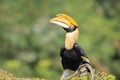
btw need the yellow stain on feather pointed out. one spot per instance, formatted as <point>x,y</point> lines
<point>85,59</point>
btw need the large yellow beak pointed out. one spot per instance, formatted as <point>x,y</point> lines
<point>64,20</point>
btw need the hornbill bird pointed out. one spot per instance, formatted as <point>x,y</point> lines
<point>74,58</point>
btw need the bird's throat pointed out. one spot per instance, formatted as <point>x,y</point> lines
<point>71,39</point>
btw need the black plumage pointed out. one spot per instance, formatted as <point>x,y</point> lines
<point>71,59</point>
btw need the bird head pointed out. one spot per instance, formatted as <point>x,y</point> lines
<point>65,21</point>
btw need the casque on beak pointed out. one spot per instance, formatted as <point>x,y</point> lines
<point>64,21</point>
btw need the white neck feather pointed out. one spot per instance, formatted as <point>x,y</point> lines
<point>70,39</point>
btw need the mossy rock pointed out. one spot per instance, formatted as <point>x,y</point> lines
<point>4,75</point>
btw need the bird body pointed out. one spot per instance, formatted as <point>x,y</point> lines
<point>71,59</point>
<point>71,53</point>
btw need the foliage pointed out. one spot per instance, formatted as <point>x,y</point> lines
<point>29,44</point>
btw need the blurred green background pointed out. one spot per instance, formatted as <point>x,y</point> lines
<point>30,45</point>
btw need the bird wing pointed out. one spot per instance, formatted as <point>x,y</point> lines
<point>80,52</point>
